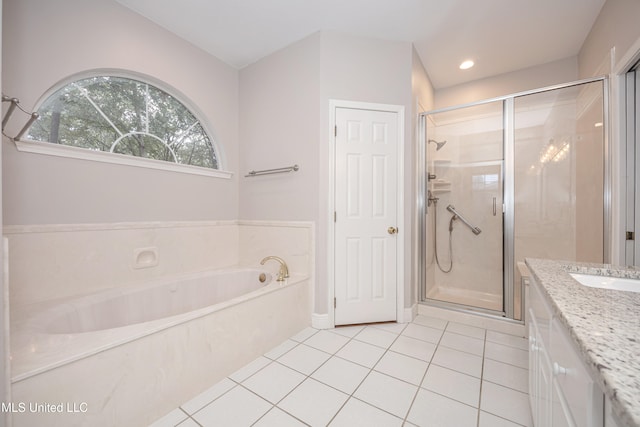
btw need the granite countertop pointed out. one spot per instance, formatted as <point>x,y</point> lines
<point>604,324</point>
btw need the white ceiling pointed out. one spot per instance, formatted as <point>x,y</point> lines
<point>499,35</point>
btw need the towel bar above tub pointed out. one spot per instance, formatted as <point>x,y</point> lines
<point>287,169</point>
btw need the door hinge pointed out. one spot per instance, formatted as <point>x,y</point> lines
<point>335,304</point>
<point>630,235</point>
<point>335,130</point>
<point>335,216</point>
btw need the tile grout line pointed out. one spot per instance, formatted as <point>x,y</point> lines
<point>484,350</point>
<point>413,401</point>
<point>371,369</point>
<point>482,380</point>
<point>506,386</point>
<point>309,376</point>
<point>275,405</point>
<point>189,417</point>
<point>363,379</point>
<point>239,383</point>
<point>386,349</point>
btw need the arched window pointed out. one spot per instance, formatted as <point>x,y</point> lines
<point>124,116</point>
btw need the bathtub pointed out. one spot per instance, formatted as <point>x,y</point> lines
<point>182,297</point>
<point>129,356</point>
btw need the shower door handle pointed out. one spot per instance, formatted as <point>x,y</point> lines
<point>495,203</point>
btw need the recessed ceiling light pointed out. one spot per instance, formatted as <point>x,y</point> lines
<point>466,64</point>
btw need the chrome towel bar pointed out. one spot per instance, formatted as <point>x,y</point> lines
<point>15,102</point>
<point>287,169</point>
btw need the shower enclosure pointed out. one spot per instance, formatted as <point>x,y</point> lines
<point>508,178</point>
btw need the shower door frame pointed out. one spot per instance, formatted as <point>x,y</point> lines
<point>508,116</point>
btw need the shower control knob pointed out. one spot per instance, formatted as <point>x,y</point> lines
<point>392,230</point>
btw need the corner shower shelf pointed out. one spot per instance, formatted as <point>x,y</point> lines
<point>440,186</point>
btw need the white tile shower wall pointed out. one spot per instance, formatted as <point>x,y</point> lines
<point>472,155</point>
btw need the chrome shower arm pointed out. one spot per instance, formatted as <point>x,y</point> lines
<point>457,215</point>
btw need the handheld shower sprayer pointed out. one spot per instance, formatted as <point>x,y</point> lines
<point>439,145</point>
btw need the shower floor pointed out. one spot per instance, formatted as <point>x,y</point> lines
<point>466,297</point>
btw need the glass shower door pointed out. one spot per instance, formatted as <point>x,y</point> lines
<point>464,218</point>
<point>506,179</point>
<point>559,174</point>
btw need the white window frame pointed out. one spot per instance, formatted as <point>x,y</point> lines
<point>58,150</point>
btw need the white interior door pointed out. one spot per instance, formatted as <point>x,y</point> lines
<point>366,178</point>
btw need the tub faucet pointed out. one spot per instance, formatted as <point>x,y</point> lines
<point>284,270</point>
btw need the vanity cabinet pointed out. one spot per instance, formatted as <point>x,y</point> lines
<point>539,321</point>
<point>561,390</point>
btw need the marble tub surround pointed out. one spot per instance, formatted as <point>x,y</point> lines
<point>40,343</point>
<point>604,325</point>
<point>63,260</point>
<point>292,240</point>
<point>135,382</point>
<point>52,265</point>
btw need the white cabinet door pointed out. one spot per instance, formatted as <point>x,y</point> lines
<point>533,368</point>
<point>609,418</point>
<point>582,398</point>
<point>561,391</point>
<point>540,375</point>
<point>545,376</point>
<point>560,410</point>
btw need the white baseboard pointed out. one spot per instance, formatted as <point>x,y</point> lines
<point>320,321</point>
<point>410,313</point>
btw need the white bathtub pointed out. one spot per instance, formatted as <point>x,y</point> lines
<point>159,300</point>
<point>128,356</point>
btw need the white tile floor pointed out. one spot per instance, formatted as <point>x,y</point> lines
<point>426,373</point>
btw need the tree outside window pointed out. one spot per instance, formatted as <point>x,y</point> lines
<point>124,116</point>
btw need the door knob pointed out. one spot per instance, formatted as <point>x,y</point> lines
<point>392,230</point>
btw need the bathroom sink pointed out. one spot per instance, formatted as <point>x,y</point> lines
<point>604,282</point>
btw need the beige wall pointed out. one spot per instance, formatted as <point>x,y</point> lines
<point>616,27</point>
<point>363,70</point>
<point>101,34</point>
<point>270,114</point>
<point>610,48</point>
<point>284,102</point>
<point>563,71</point>
<point>280,110</point>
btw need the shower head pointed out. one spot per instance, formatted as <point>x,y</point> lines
<point>439,145</point>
